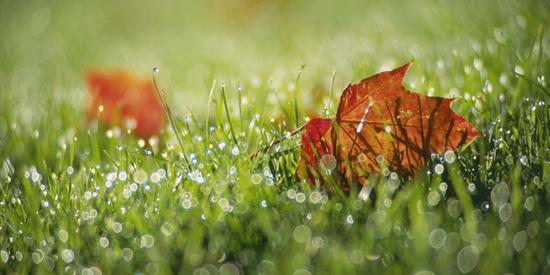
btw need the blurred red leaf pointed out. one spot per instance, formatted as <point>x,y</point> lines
<point>121,99</point>
<point>380,124</point>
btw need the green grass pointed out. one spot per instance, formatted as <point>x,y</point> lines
<point>69,201</point>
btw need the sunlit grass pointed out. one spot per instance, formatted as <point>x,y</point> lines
<point>76,197</point>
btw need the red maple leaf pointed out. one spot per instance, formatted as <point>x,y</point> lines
<point>121,99</point>
<point>380,124</point>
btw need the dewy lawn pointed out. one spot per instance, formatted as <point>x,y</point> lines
<point>77,196</point>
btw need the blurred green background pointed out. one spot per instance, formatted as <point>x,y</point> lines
<point>46,46</point>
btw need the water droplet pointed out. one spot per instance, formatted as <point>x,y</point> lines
<point>140,176</point>
<point>256,179</point>
<point>63,235</point>
<point>4,256</point>
<point>167,228</point>
<point>467,259</point>
<point>452,242</point>
<point>485,206</point>
<point>449,156</point>
<point>156,69</point>
<point>117,227</point>
<point>328,162</point>
<point>315,197</point>
<point>520,240</point>
<point>505,212</point>
<point>229,269</point>
<point>103,242</point>
<point>533,229</point>
<point>439,168</point>
<point>301,233</point>
<point>524,160</point>
<point>433,198</point>
<point>529,203</point>
<point>37,256</point>
<point>349,219</point>
<point>300,197</point>
<point>454,208</point>
<point>196,176</point>
<point>235,151</point>
<point>437,238</point>
<point>500,194</point>
<point>518,70</point>
<point>67,255</point>
<point>127,254</point>
<point>147,241</point>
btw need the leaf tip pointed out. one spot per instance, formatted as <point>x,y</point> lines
<point>401,71</point>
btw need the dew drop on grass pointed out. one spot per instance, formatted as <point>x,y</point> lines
<point>529,203</point>
<point>452,242</point>
<point>500,194</point>
<point>454,208</point>
<point>437,238</point>
<point>127,254</point>
<point>439,168</point>
<point>291,193</point>
<point>37,256</point>
<point>67,255</point>
<point>533,229</point>
<point>133,187</point>
<point>524,160</point>
<point>156,69</point>
<point>122,176</point>
<point>301,233</point>
<point>235,151</point>
<point>433,198</point>
<point>467,259</point>
<point>18,256</point>
<point>167,229</point>
<point>155,177</point>
<point>103,242</point>
<point>140,176</point>
<point>328,162</point>
<point>4,256</point>
<point>229,269</point>
<point>196,176</point>
<point>266,267</point>
<point>443,187</point>
<point>256,178</point>
<point>485,206</point>
<point>63,235</point>
<point>518,70</point>
<point>520,240</point>
<point>186,204</point>
<point>147,241</point>
<point>505,212</point>
<point>300,197</point>
<point>117,227</point>
<point>315,197</point>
